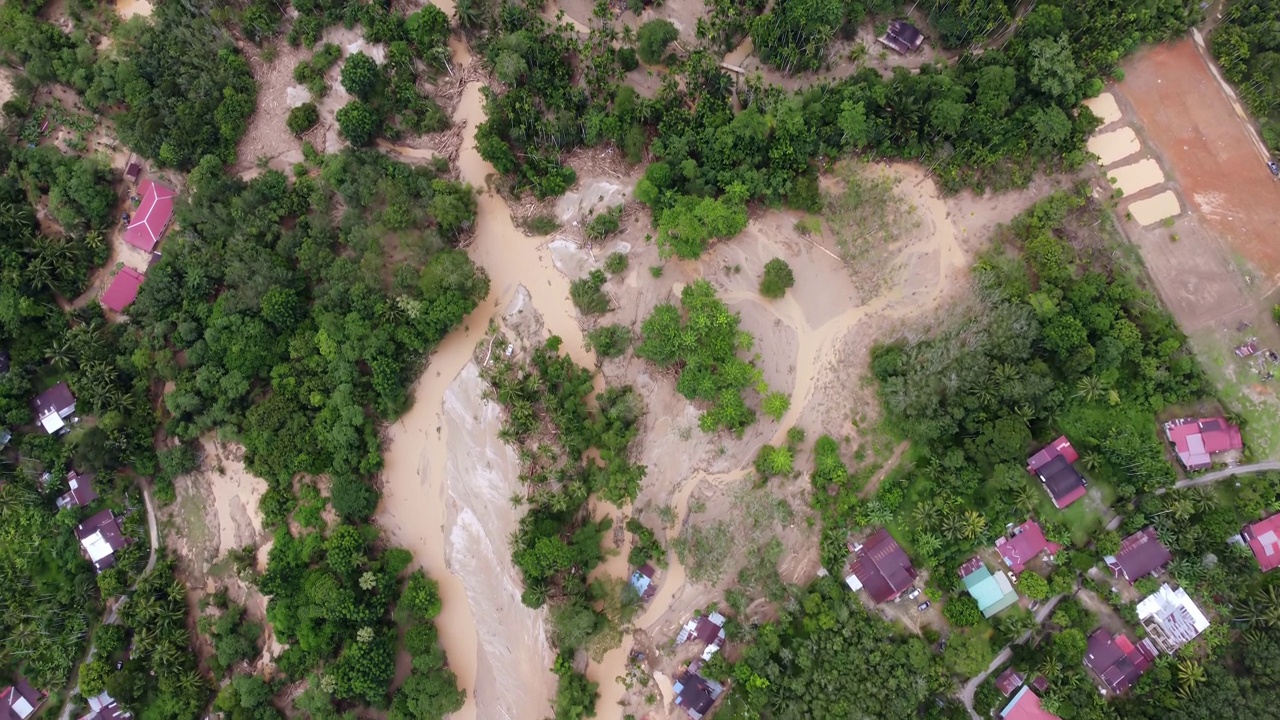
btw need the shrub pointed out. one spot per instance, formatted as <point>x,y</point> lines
<point>361,75</point>
<point>541,225</point>
<point>653,38</point>
<point>627,59</point>
<point>605,224</point>
<point>777,278</point>
<point>774,461</point>
<point>609,341</point>
<point>615,263</point>
<point>776,404</point>
<point>963,611</point>
<point>587,296</point>
<point>1033,586</point>
<point>358,123</point>
<point>303,118</point>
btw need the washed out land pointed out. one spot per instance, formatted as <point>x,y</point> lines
<point>429,361</point>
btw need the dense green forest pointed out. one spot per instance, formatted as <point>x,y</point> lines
<point>1247,46</point>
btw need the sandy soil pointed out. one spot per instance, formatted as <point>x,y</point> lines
<point>1155,208</point>
<point>1115,145</point>
<point>216,508</point>
<point>1212,152</point>
<point>131,8</point>
<point>1136,177</point>
<point>1104,106</point>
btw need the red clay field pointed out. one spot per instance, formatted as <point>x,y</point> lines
<point>1209,148</point>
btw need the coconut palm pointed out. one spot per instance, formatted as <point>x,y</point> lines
<point>1090,388</point>
<point>1191,675</point>
<point>1025,497</point>
<point>973,525</point>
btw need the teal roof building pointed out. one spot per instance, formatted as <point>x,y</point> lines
<point>992,592</point>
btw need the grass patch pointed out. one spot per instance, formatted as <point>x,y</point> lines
<point>1234,381</point>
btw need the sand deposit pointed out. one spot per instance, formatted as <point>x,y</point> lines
<point>1136,177</point>
<point>1105,107</point>
<point>130,8</point>
<point>216,506</point>
<point>417,478</point>
<point>1111,147</point>
<point>1154,209</point>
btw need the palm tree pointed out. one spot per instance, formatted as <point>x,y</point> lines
<point>1025,414</point>
<point>973,525</point>
<point>61,353</point>
<point>927,544</point>
<point>1090,460</point>
<point>1025,497</point>
<point>925,514</point>
<point>1203,498</point>
<point>952,526</point>
<point>1181,508</point>
<point>1089,387</point>
<point>1006,374</point>
<point>1050,667</point>
<point>1191,675</point>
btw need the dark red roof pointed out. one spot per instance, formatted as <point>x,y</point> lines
<point>970,567</point>
<point>123,289</point>
<point>81,491</point>
<point>1027,542</point>
<point>12,699</point>
<point>1140,554</point>
<point>56,399</point>
<point>1117,660</point>
<point>883,568</point>
<point>1053,465</point>
<point>1264,539</point>
<point>1008,681</point>
<point>152,217</point>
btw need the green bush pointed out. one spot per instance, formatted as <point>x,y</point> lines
<point>1033,586</point>
<point>653,38</point>
<point>358,123</point>
<point>962,611</point>
<point>361,75</point>
<point>587,295</point>
<point>774,461</point>
<point>303,118</point>
<point>616,263</point>
<point>777,278</point>
<point>609,341</point>
<point>603,225</point>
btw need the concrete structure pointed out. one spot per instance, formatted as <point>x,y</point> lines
<point>1116,660</point>
<point>80,491</point>
<point>100,536</point>
<point>1171,618</point>
<point>19,701</point>
<point>992,592</point>
<point>123,290</point>
<point>1141,554</point>
<point>1026,706</point>
<point>696,694</point>
<point>1263,538</point>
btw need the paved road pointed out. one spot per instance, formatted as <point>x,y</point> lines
<point>966,693</point>
<point>1223,474</point>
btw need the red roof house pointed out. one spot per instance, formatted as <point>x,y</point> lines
<point>123,290</point>
<point>1008,681</point>
<point>882,568</point>
<point>1053,465</point>
<point>1197,441</point>
<point>1141,554</point>
<point>1026,706</point>
<point>1027,542</point>
<point>1264,539</point>
<point>152,218</point>
<point>1116,660</point>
